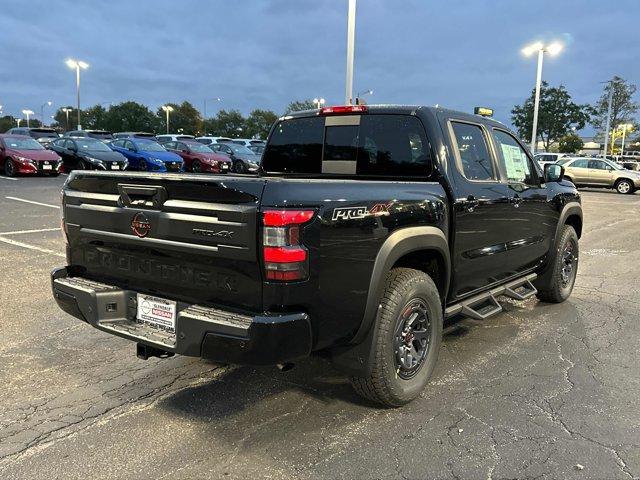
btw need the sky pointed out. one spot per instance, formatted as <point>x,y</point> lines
<point>266,53</point>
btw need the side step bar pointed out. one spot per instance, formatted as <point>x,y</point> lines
<point>485,304</point>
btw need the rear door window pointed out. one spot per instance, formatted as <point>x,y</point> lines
<point>580,164</point>
<point>388,145</point>
<point>474,158</point>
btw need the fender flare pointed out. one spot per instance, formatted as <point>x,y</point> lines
<point>398,244</point>
<point>571,208</point>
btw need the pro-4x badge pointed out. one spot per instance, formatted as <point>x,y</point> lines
<point>353,213</point>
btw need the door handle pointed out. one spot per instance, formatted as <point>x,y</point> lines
<point>471,203</point>
<point>516,200</point>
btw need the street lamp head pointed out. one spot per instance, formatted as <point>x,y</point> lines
<point>27,112</point>
<point>71,63</point>
<point>554,48</point>
<point>49,103</point>
<point>532,48</point>
<point>167,108</point>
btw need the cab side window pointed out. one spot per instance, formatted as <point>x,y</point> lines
<point>514,162</point>
<point>474,157</point>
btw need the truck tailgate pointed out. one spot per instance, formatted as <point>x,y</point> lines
<point>191,238</point>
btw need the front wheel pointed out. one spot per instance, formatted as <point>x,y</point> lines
<point>407,339</point>
<point>624,187</point>
<point>556,285</point>
<point>9,168</point>
<point>239,167</point>
<point>142,165</point>
<point>196,166</point>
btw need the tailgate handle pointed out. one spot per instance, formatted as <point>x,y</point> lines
<point>141,196</point>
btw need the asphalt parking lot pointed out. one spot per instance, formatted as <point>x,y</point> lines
<point>538,391</point>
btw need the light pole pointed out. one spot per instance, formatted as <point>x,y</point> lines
<point>204,112</point>
<point>67,110</point>
<point>42,111</point>
<point>77,65</point>
<point>27,113</point>
<point>606,134</point>
<point>319,102</point>
<point>552,49</point>
<point>167,109</point>
<point>625,127</point>
<point>351,39</point>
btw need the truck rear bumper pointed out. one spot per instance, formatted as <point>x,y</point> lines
<point>218,335</point>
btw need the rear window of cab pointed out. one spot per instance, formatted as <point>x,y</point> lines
<point>368,145</point>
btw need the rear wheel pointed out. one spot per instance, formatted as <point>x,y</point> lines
<point>409,332</point>
<point>196,166</point>
<point>9,168</point>
<point>556,285</point>
<point>624,186</point>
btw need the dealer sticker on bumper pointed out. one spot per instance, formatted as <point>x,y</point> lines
<point>157,312</point>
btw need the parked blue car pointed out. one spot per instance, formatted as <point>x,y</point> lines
<point>147,155</point>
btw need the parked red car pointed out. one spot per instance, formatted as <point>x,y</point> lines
<point>198,157</point>
<point>22,154</point>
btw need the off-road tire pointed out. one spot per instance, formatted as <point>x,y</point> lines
<point>551,287</point>
<point>384,385</point>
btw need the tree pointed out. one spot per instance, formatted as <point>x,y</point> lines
<point>623,108</point>
<point>298,105</point>
<point>7,122</point>
<point>183,119</point>
<point>130,116</point>
<point>557,115</point>
<point>570,144</point>
<point>227,124</point>
<point>60,118</point>
<point>93,117</point>
<point>259,123</point>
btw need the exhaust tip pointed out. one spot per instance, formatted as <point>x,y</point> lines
<point>285,367</point>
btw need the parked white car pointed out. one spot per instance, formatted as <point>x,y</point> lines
<point>175,137</point>
<point>212,140</point>
<point>249,142</point>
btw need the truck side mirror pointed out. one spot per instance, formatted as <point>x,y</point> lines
<point>553,172</point>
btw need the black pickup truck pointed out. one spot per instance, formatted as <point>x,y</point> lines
<point>367,230</point>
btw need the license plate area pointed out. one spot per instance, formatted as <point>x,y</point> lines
<point>157,312</point>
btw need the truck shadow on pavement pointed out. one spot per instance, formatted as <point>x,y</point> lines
<point>245,397</point>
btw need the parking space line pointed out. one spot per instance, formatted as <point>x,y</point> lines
<point>31,247</point>
<point>9,178</point>
<point>39,230</point>
<point>34,203</point>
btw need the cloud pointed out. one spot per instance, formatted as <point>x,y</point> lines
<point>261,53</point>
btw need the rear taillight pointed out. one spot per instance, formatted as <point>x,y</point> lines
<point>285,257</point>
<point>63,225</point>
<point>343,109</point>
